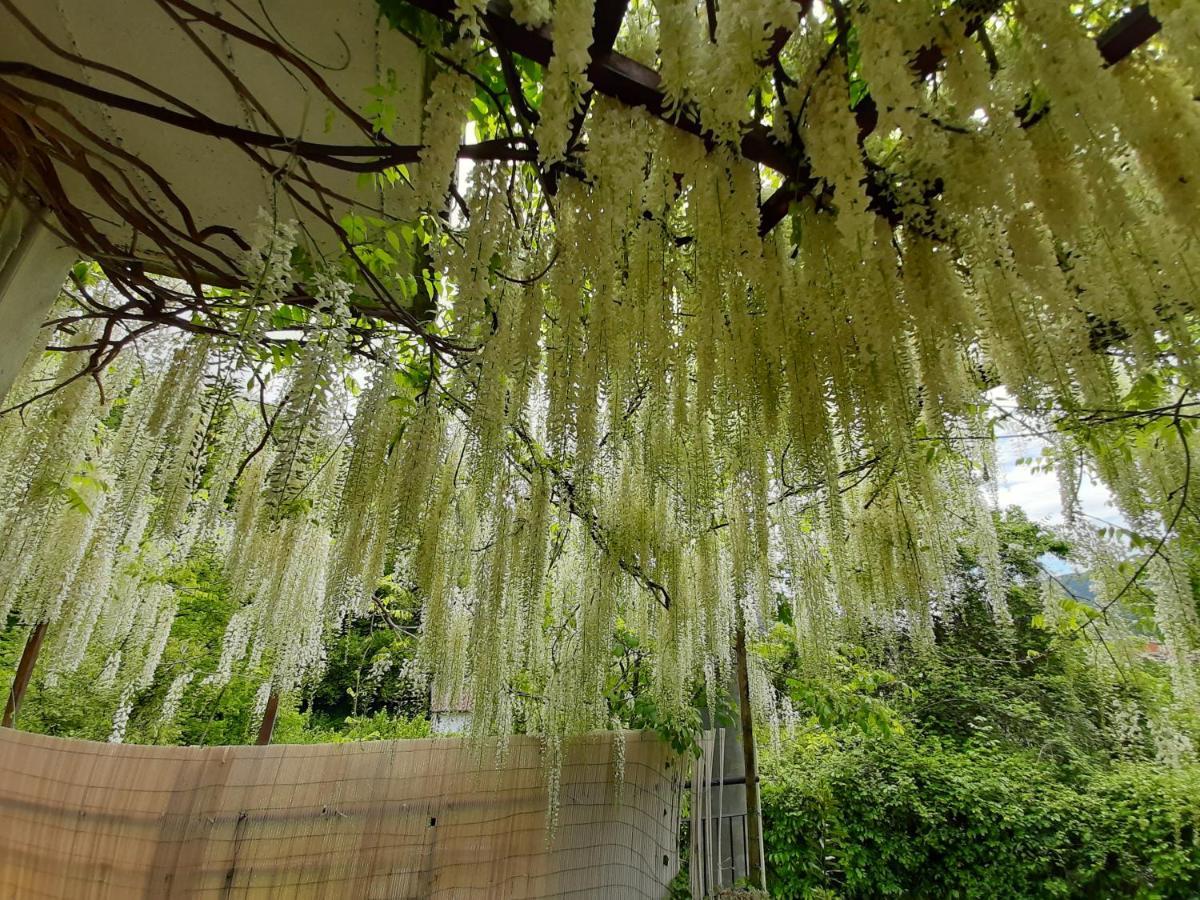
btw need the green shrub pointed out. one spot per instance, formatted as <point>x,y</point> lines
<point>302,728</point>
<point>914,818</point>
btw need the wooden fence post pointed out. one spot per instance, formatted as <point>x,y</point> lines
<point>29,656</point>
<point>268,720</point>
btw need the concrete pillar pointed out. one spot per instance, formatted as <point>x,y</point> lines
<point>33,266</point>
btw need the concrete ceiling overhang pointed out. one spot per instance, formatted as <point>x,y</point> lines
<point>338,48</point>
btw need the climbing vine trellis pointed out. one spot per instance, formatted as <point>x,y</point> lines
<point>709,320</point>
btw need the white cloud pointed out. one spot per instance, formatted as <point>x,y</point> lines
<point>1037,492</point>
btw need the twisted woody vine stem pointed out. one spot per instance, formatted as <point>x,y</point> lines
<point>600,390</point>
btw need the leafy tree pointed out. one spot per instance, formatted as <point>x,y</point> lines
<point>346,703</point>
<point>1006,760</point>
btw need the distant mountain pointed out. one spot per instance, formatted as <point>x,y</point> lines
<point>1078,584</point>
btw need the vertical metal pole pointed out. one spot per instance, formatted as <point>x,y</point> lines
<point>268,721</point>
<point>756,871</point>
<point>720,820</point>
<point>29,656</point>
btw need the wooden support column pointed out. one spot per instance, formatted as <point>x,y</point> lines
<point>268,721</point>
<point>29,656</point>
<point>33,266</point>
<point>756,872</point>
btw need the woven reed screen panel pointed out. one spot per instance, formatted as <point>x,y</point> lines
<point>384,819</point>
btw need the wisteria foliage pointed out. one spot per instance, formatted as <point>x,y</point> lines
<point>665,422</point>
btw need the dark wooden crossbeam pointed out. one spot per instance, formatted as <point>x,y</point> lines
<point>607,24</point>
<point>629,82</point>
<point>1128,33</point>
<point>616,76</point>
<point>772,210</point>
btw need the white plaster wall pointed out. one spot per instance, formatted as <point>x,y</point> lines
<point>351,46</point>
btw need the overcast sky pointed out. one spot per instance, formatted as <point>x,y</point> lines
<point>1037,492</point>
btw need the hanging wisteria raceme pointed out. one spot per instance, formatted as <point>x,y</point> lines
<point>566,81</point>
<point>99,491</point>
<point>664,421</point>
<point>55,467</point>
<point>688,399</point>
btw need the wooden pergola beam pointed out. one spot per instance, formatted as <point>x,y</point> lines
<point>1127,34</point>
<point>634,84</point>
<point>615,75</point>
<point>607,24</point>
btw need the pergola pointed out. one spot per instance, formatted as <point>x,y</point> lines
<point>154,163</point>
<point>117,157</point>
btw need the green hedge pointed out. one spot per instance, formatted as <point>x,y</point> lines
<point>902,818</point>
